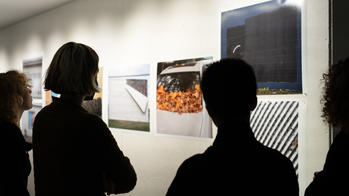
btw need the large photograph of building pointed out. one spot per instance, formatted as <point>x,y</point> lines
<point>267,36</point>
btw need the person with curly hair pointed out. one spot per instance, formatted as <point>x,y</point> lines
<point>335,111</point>
<point>15,166</point>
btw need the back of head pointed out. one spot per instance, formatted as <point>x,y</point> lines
<point>336,94</point>
<point>12,87</point>
<point>229,87</point>
<point>73,70</point>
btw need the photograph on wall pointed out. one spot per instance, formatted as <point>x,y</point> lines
<point>267,36</point>
<point>180,107</point>
<point>32,69</point>
<point>275,123</point>
<point>128,106</point>
<point>27,121</point>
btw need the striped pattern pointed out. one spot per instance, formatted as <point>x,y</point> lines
<point>275,124</point>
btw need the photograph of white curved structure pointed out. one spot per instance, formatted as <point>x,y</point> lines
<point>128,106</point>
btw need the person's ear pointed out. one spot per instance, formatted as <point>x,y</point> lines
<point>214,116</point>
<point>20,100</point>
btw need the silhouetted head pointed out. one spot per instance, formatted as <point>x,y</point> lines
<point>336,94</point>
<point>229,90</point>
<point>15,96</point>
<point>73,70</point>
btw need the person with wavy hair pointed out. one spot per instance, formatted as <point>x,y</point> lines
<point>15,98</point>
<point>74,151</point>
<point>335,111</point>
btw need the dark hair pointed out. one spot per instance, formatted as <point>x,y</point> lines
<point>229,85</point>
<point>336,94</point>
<point>13,88</point>
<point>73,70</point>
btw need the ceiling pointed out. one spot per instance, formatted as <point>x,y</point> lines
<point>13,11</point>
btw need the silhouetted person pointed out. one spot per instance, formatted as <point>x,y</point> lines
<point>74,151</point>
<point>332,180</point>
<point>236,163</point>
<point>15,98</point>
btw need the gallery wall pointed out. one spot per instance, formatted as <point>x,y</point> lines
<point>125,32</point>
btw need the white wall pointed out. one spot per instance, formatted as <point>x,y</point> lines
<point>316,60</point>
<point>150,31</point>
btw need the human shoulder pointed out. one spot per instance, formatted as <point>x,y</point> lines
<point>48,111</point>
<point>275,161</point>
<point>195,159</point>
<point>279,170</point>
<point>187,173</point>
<point>8,129</point>
<point>273,154</point>
<point>94,120</point>
<point>42,112</point>
<point>7,125</point>
<point>195,163</point>
<point>341,140</point>
<point>12,134</point>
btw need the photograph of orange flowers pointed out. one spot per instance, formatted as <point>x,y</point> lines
<point>179,105</point>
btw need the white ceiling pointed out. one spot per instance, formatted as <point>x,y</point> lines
<point>13,11</point>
